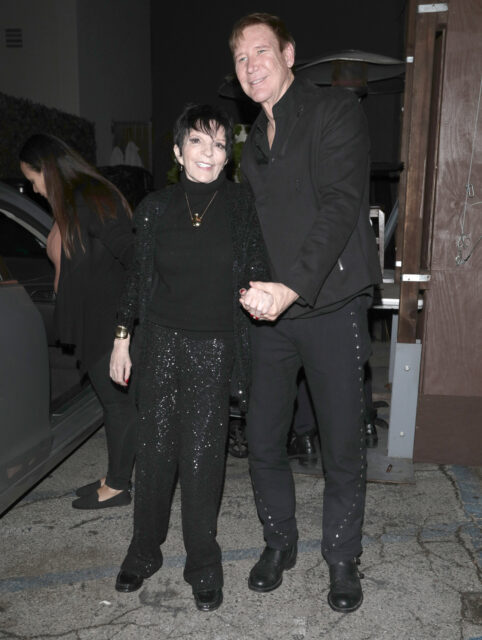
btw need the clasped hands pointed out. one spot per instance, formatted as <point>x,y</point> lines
<point>266,300</point>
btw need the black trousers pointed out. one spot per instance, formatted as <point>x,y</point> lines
<point>304,420</point>
<point>184,414</point>
<point>332,348</point>
<point>120,423</point>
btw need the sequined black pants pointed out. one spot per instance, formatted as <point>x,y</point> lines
<point>184,413</point>
<point>333,349</point>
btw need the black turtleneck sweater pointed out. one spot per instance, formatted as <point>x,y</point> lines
<point>193,279</point>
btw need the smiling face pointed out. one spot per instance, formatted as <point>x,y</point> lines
<point>36,178</point>
<point>203,155</point>
<point>263,70</point>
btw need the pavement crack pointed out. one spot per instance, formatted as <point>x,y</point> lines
<point>83,522</point>
<point>468,550</point>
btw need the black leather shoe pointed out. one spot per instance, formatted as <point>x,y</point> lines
<point>267,573</point>
<point>91,501</point>
<point>371,435</point>
<point>208,600</point>
<point>345,593</point>
<point>303,445</point>
<point>127,582</point>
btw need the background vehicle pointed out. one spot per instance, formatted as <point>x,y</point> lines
<point>46,408</point>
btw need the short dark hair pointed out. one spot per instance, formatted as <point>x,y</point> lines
<point>276,25</point>
<point>202,117</point>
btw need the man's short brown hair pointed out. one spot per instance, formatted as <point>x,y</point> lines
<point>276,25</point>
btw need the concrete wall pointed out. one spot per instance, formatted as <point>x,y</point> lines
<point>114,65</point>
<point>45,69</point>
<point>86,57</point>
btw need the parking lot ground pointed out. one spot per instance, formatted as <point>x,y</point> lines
<point>422,562</point>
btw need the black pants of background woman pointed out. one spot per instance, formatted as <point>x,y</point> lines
<point>120,423</point>
<point>183,423</point>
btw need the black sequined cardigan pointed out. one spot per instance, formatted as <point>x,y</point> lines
<point>250,263</point>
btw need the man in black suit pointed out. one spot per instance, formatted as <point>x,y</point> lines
<point>307,161</point>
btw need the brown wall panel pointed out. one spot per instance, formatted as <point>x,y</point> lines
<point>458,436</point>
<point>461,87</point>
<point>449,413</point>
<point>452,352</point>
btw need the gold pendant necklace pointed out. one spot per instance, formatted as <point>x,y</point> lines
<point>197,218</point>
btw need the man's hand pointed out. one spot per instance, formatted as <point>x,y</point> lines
<point>281,295</point>
<point>120,362</point>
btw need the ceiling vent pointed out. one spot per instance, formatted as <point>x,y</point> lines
<point>13,38</point>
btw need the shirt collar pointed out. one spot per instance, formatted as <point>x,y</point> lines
<point>287,104</point>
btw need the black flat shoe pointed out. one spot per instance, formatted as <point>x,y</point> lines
<point>88,488</point>
<point>91,501</point>
<point>127,582</point>
<point>267,573</point>
<point>345,593</point>
<point>208,600</point>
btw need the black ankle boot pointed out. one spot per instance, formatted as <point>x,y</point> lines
<point>267,573</point>
<point>345,593</point>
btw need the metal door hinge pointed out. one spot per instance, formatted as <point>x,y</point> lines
<point>415,277</point>
<point>435,7</point>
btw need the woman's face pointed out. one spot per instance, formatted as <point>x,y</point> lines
<point>203,155</point>
<point>35,177</point>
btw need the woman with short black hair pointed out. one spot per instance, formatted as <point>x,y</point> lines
<point>198,243</point>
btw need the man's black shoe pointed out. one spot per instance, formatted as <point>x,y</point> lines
<point>208,600</point>
<point>371,435</point>
<point>303,445</point>
<point>345,593</point>
<point>267,573</point>
<point>127,582</point>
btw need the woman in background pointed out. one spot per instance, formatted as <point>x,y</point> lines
<point>92,240</point>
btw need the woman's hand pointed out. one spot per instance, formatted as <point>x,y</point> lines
<point>120,362</point>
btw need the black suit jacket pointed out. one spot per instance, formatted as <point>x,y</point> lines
<point>311,191</point>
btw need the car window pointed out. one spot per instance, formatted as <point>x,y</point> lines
<point>16,241</point>
<point>24,254</point>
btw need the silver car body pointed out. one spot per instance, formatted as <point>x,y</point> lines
<point>36,433</point>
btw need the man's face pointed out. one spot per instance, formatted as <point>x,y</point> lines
<point>263,71</point>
